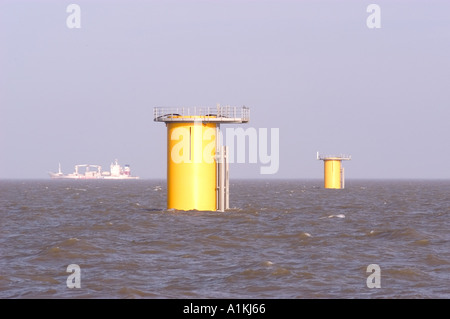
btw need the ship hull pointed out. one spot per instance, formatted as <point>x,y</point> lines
<point>85,177</point>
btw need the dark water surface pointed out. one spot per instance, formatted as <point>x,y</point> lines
<point>281,239</point>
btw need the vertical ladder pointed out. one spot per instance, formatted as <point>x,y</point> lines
<point>222,173</point>
<point>227,178</point>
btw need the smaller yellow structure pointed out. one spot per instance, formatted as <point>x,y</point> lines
<point>333,170</point>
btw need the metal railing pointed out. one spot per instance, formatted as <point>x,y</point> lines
<point>217,114</point>
<point>332,156</point>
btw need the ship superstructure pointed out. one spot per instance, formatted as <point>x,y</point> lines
<point>90,171</point>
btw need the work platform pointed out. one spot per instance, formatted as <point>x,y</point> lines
<point>218,114</point>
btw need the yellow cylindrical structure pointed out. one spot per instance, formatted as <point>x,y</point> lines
<point>191,166</point>
<point>332,173</point>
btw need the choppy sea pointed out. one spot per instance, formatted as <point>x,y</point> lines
<point>280,239</point>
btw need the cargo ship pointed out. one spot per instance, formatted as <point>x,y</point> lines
<point>89,171</point>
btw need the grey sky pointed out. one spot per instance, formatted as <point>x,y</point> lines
<point>313,69</point>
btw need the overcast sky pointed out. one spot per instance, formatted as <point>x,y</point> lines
<point>312,69</point>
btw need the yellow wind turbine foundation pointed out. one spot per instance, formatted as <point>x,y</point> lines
<point>197,163</point>
<point>333,170</point>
